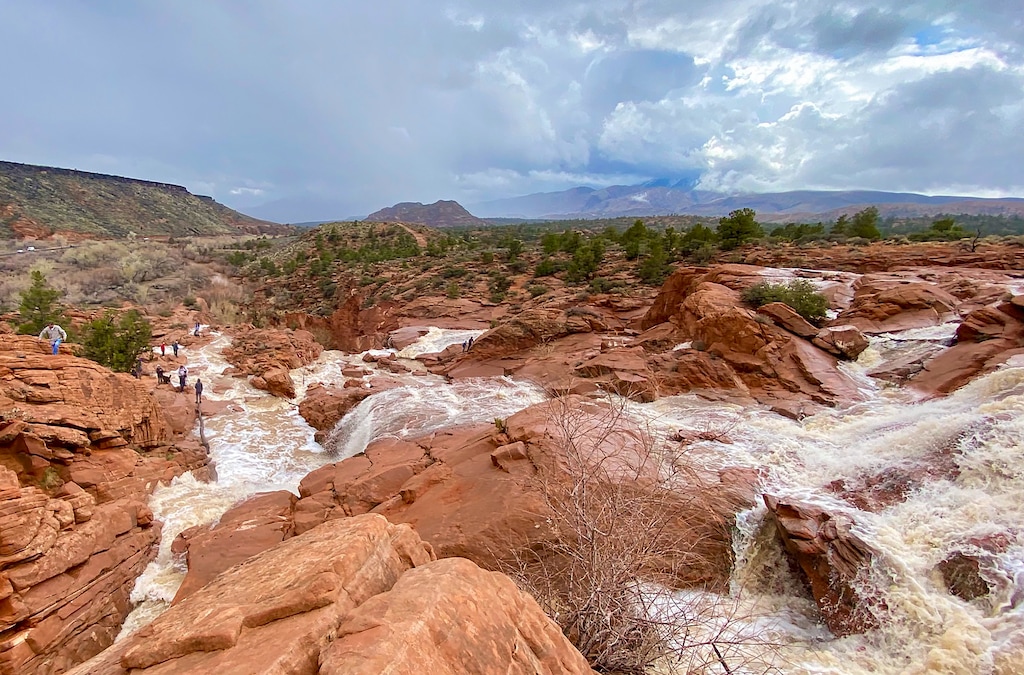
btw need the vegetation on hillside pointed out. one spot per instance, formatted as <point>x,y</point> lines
<point>62,200</point>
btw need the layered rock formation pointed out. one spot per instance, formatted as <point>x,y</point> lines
<point>731,347</point>
<point>355,596</point>
<point>268,356</point>
<point>80,449</point>
<point>485,495</point>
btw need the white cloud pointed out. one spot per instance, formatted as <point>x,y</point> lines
<point>369,105</point>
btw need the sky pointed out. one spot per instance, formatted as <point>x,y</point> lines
<point>317,109</point>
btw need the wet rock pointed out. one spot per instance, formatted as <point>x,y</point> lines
<point>832,560</point>
<point>987,338</point>
<point>786,317</point>
<point>400,338</point>
<point>843,341</point>
<point>268,354</point>
<point>887,304</point>
<point>251,527</point>
<point>961,573</point>
<point>471,492</point>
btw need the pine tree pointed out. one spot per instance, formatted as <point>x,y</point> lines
<point>39,306</point>
<point>116,342</point>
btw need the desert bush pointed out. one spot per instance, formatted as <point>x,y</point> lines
<point>626,520</point>
<point>799,294</point>
<point>536,290</point>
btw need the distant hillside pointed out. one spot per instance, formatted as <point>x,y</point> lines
<point>40,201</point>
<point>438,214</point>
<point>654,199</point>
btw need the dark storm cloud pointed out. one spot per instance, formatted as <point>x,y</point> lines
<point>346,107</point>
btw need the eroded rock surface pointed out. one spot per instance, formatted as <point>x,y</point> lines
<point>354,595</point>
<point>81,448</point>
<point>267,356</point>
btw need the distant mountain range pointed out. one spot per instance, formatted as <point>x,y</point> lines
<point>665,197</point>
<point>40,201</point>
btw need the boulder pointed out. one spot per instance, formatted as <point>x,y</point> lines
<point>337,600</point>
<point>887,303</point>
<point>785,316</point>
<point>987,338</point>
<point>267,355</point>
<point>844,341</point>
<point>833,561</point>
<point>504,629</point>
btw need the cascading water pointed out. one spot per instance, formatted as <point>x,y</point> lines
<point>924,629</point>
<point>260,443</point>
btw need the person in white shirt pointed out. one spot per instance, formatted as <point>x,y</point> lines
<point>182,376</point>
<point>55,334</point>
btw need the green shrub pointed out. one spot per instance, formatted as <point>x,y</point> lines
<point>536,290</point>
<point>453,290</point>
<point>798,294</point>
<point>116,341</point>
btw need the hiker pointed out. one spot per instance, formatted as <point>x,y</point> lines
<point>469,344</point>
<point>55,334</point>
<point>163,349</point>
<point>182,376</point>
<point>159,374</point>
<point>175,347</point>
<point>199,391</point>
<point>137,369</point>
<point>465,345</point>
<point>196,331</point>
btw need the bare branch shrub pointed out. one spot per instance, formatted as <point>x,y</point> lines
<point>630,525</point>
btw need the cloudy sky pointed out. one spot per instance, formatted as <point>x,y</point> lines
<point>327,109</point>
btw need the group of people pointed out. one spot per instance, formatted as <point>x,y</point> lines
<point>162,377</point>
<point>467,345</point>
<point>55,335</point>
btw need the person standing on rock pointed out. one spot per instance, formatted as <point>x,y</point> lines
<point>163,349</point>
<point>196,331</point>
<point>199,391</point>
<point>175,347</point>
<point>55,334</point>
<point>182,376</point>
<point>159,374</point>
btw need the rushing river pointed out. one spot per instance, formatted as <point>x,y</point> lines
<point>260,443</point>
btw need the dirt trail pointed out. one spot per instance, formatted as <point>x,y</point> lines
<point>421,241</point>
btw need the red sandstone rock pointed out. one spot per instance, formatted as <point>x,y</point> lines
<point>883,304</point>
<point>268,355</point>
<point>472,494</point>
<point>831,558</point>
<point>298,609</point>
<point>396,631</point>
<point>249,528</point>
<point>785,316</point>
<point>987,338</point>
<point>844,341</point>
<point>97,442</point>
